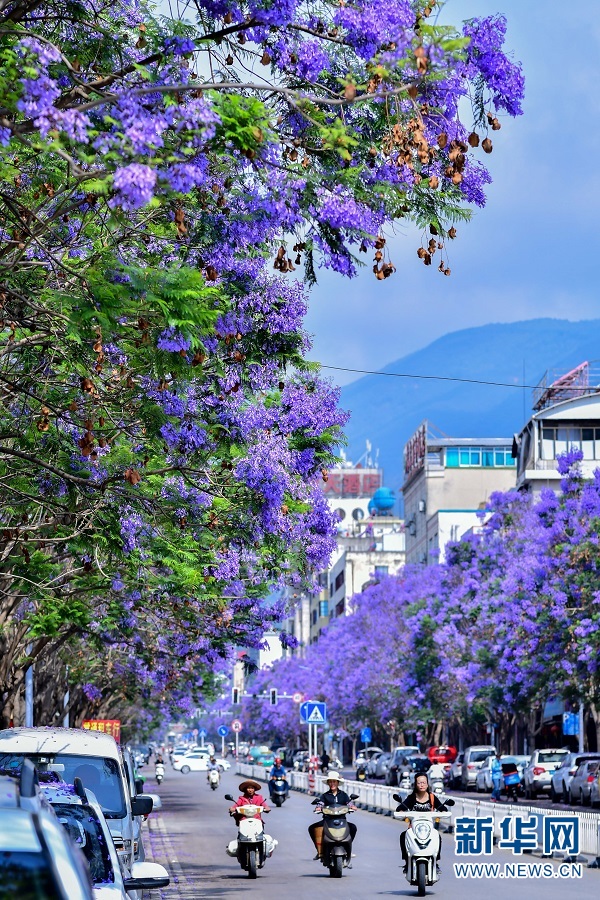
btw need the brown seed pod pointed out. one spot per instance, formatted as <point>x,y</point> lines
<point>265,58</point>
<point>452,233</point>
<point>434,182</point>
<point>442,140</point>
<point>350,91</point>
<point>474,139</point>
<point>487,145</point>
<point>457,178</point>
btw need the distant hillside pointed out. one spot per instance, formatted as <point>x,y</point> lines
<point>387,410</point>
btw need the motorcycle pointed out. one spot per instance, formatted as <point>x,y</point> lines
<point>213,779</point>
<point>405,782</point>
<point>436,779</point>
<point>159,772</point>
<point>335,840</point>
<point>279,790</point>
<point>422,844</point>
<point>512,782</point>
<point>252,847</point>
<point>361,770</point>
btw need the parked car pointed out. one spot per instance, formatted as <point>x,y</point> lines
<point>595,792</point>
<point>538,772</point>
<point>562,775</point>
<point>381,766</point>
<point>37,858</point>
<point>454,774</point>
<point>265,759</point>
<point>81,816</point>
<point>580,789</point>
<point>397,760</point>
<point>93,757</point>
<point>483,780</point>
<point>372,763</point>
<point>365,753</point>
<point>301,760</point>
<point>474,757</point>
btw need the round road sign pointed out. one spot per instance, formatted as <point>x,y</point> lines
<point>223,730</point>
<point>236,725</point>
<point>297,697</point>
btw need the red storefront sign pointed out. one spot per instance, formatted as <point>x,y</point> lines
<point>106,726</point>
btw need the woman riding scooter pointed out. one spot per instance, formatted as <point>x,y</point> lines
<point>331,798</point>
<point>421,800</point>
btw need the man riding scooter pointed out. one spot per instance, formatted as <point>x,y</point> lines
<point>278,785</point>
<point>213,772</point>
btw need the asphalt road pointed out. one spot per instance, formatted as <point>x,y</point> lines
<point>191,832</point>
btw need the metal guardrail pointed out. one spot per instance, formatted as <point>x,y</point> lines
<point>378,798</point>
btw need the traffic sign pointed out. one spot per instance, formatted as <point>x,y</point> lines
<point>223,730</point>
<point>365,735</point>
<point>297,697</point>
<point>203,733</point>
<point>313,713</point>
<point>236,725</point>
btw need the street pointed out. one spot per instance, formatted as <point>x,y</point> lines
<point>190,833</point>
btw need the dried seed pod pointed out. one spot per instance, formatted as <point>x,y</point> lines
<point>229,60</point>
<point>434,182</point>
<point>496,126</point>
<point>474,139</point>
<point>457,178</point>
<point>452,233</point>
<point>265,58</point>
<point>442,140</point>
<point>421,252</point>
<point>487,145</point>
<point>350,91</point>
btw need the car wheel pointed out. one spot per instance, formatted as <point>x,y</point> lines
<point>565,795</point>
<point>570,798</point>
<point>185,770</point>
<point>553,794</point>
<point>586,800</point>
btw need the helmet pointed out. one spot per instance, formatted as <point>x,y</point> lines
<point>278,760</point>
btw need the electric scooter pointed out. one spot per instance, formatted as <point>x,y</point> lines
<point>159,772</point>
<point>422,844</point>
<point>252,847</point>
<point>336,842</point>
<point>213,779</point>
<point>279,790</point>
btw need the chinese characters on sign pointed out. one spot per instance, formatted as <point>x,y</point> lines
<point>106,726</point>
<point>415,451</point>
<point>475,835</point>
<point>354,483</point>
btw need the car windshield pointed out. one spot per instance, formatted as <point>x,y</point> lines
<point>85,830</point>
<point>26,876</point>
<point>480,755</point>
<point>551,756</point>
<point>100,775</point>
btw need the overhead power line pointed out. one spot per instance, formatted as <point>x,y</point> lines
<point>445,378</point>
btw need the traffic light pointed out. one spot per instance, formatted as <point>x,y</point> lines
<point>235,696</point>
<point>273,696</point>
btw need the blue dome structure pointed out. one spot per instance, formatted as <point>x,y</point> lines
<point>382,502</point>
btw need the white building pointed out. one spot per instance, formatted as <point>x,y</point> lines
<point>566,415</point>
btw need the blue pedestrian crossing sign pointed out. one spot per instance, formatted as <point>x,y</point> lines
<point>223,730</point>
<point>203,733</point>
<point>365,735</point>
<point>313,713</point>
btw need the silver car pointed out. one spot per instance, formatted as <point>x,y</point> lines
<point>454,774</point>
<point>537,775</point>
<point>473,760</point>
<point>383,761</point>
<point>581,784</point>
<point>562,775</point>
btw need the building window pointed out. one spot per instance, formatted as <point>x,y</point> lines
<point>555,440</point>
<point>339,610</point>
<point>339,580</point>
<point>477,457</point>
<point>323,608</point>
<point>381,570</point>
<point>314,617</point>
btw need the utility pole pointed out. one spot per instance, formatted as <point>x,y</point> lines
<point>29,693</point>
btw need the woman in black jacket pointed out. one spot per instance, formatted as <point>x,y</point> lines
<point>420,800</point>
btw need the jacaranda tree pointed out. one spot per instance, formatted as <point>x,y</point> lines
<point>162,437</point>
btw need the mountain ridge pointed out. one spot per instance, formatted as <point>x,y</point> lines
<point>387,410</point>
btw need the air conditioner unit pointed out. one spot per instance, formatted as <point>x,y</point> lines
<point>422,506</point>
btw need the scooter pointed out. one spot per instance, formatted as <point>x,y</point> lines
<point>361,770</point>
<point>252,847</point>
<point>336,842</point>
<point>159,772</point>
<point>279,790</point>
<point>422,844</point>
<point>436,779</point>
<point>405,782</point>
<point>213,779</point>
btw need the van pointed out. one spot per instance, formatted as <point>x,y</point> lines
<point>93,757</point>
<point>473,759</point>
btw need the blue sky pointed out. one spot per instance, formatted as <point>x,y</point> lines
<point>533,250</point>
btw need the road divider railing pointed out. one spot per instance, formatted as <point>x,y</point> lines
<point>378,798</point>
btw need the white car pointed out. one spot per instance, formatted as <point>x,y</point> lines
<point>80,814</point>
<point>197,761</point>
<point>537,775</point>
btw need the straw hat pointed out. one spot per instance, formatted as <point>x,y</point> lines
<point>249,784</point>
